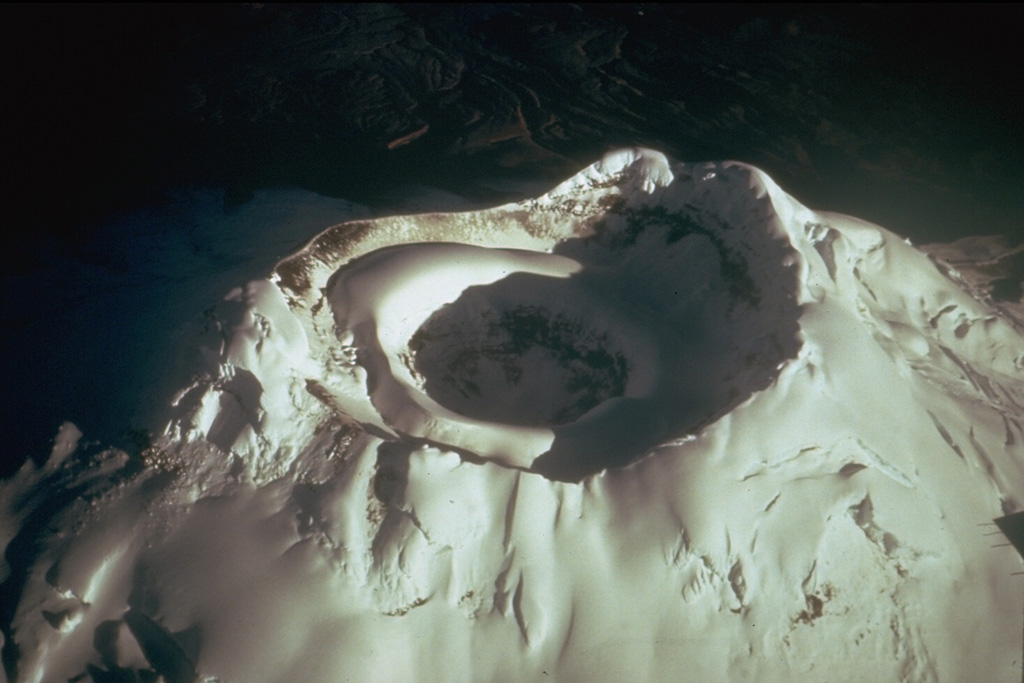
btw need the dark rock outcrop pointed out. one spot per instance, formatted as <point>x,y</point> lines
<point>904,115</point>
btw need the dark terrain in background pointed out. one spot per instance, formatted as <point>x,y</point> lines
<point>908,116</point>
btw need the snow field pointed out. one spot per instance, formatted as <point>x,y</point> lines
<point>788,483</point>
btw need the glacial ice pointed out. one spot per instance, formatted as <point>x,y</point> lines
<point>662,423</point>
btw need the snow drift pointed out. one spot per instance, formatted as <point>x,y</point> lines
<point>662,423</point>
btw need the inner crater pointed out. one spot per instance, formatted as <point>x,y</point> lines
<point>519,364</point>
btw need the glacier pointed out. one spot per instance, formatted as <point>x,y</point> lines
<point>660,423</point>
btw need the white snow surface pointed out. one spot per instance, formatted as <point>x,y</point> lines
<point>663,423</point>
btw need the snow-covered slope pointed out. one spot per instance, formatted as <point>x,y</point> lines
<point>663,423</point>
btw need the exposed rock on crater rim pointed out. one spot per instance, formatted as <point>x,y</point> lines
<point>589,329</point>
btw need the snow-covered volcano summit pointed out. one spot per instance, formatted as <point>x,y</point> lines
<point>573,333</point>
<point>662,423</point>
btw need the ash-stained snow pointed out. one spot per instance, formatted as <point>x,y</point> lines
<point>663,423</point>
